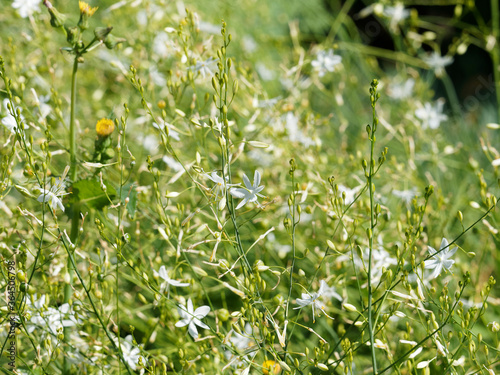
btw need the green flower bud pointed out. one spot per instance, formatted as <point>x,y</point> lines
<point>102,32</point>
<point>71,34</point>
<point>112,41</point>
<point>223,314</point>
<point>56,19</point>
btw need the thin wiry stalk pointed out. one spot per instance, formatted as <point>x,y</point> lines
<point>372,226</point>
<point>68,288</point>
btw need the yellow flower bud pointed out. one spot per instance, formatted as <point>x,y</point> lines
<point>86,9</point>
<point>104,127</point>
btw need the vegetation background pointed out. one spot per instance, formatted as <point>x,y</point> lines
<point>146,196</point>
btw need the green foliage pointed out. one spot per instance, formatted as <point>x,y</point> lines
<point>240,197</point>
<point>89,192</point>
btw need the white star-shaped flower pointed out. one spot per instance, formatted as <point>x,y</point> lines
<point>192,318</point>
<point>325,62</point>
<point>250,192</point>
<point>310,299</point>
<point>401,90</point>
<point>205,67</point>
<point>437,62</point>
<point>440,260</point>
<point>314,299</point>
<point>53,194</point>
<point>131,353</point>
<point>329,291</point>
<point>221,185</point>
<point>396,14</point>
<point>167,281</point>
<point>431,115</point>
<point>52,320</point>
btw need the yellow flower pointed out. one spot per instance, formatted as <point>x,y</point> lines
<point>104,127</point>
<point>270,367</point>
<point>86,8</point>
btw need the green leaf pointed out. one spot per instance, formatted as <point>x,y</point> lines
<point>89,192</point>
<point>130,192</point>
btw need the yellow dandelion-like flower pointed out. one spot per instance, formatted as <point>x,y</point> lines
<point>271,367</point>
<point>86,8</point>
<point>104,127</point>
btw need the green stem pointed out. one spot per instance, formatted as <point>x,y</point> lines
<point>72,126</point>
<point>68,288</point>
<point>452,95</point>
<point>293,250</point>
<point>372,226</point>
<point>495,53</point>
<point>339,20</point>
<point>94,308</point>
<point>119,243</point>
<point>405,355</point>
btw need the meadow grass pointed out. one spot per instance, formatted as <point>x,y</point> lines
<point>247,188</point>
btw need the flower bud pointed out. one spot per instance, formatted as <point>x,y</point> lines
<point>71,34</point>
<point>102,32</point>
<point>104,127</point>
<point>56,19</point>
<point>223,314</point>
<point>112,41</point>
<point>322,366</point>
<point>21,276</point>
<point>350,307</point>
<point>493,326</point>
<point>86,11</point>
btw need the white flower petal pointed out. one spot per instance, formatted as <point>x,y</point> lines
<point>256,179</point>
<point>183,322</point>
<point>200,324</point>
<point>190,306</point>
<point>415,353</point>
<point>242,203</point>
<point>177,283</point>
<point>246,181</point>
<point>201,311</point>
<point>192,330</point>
<point>238,192</point>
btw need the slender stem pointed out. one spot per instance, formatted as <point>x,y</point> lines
<point>339,20</point>
<point>119,243</point>
<point>225,158</point>
<point>371,186</point>
<point>405,355</point>
<point>452,95</point>
<point>68,288</point>
<point>495,52</point>
<point>293,249</point>
<point>94,308</point>
<point>72,126</point>
<point>372,226</point>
